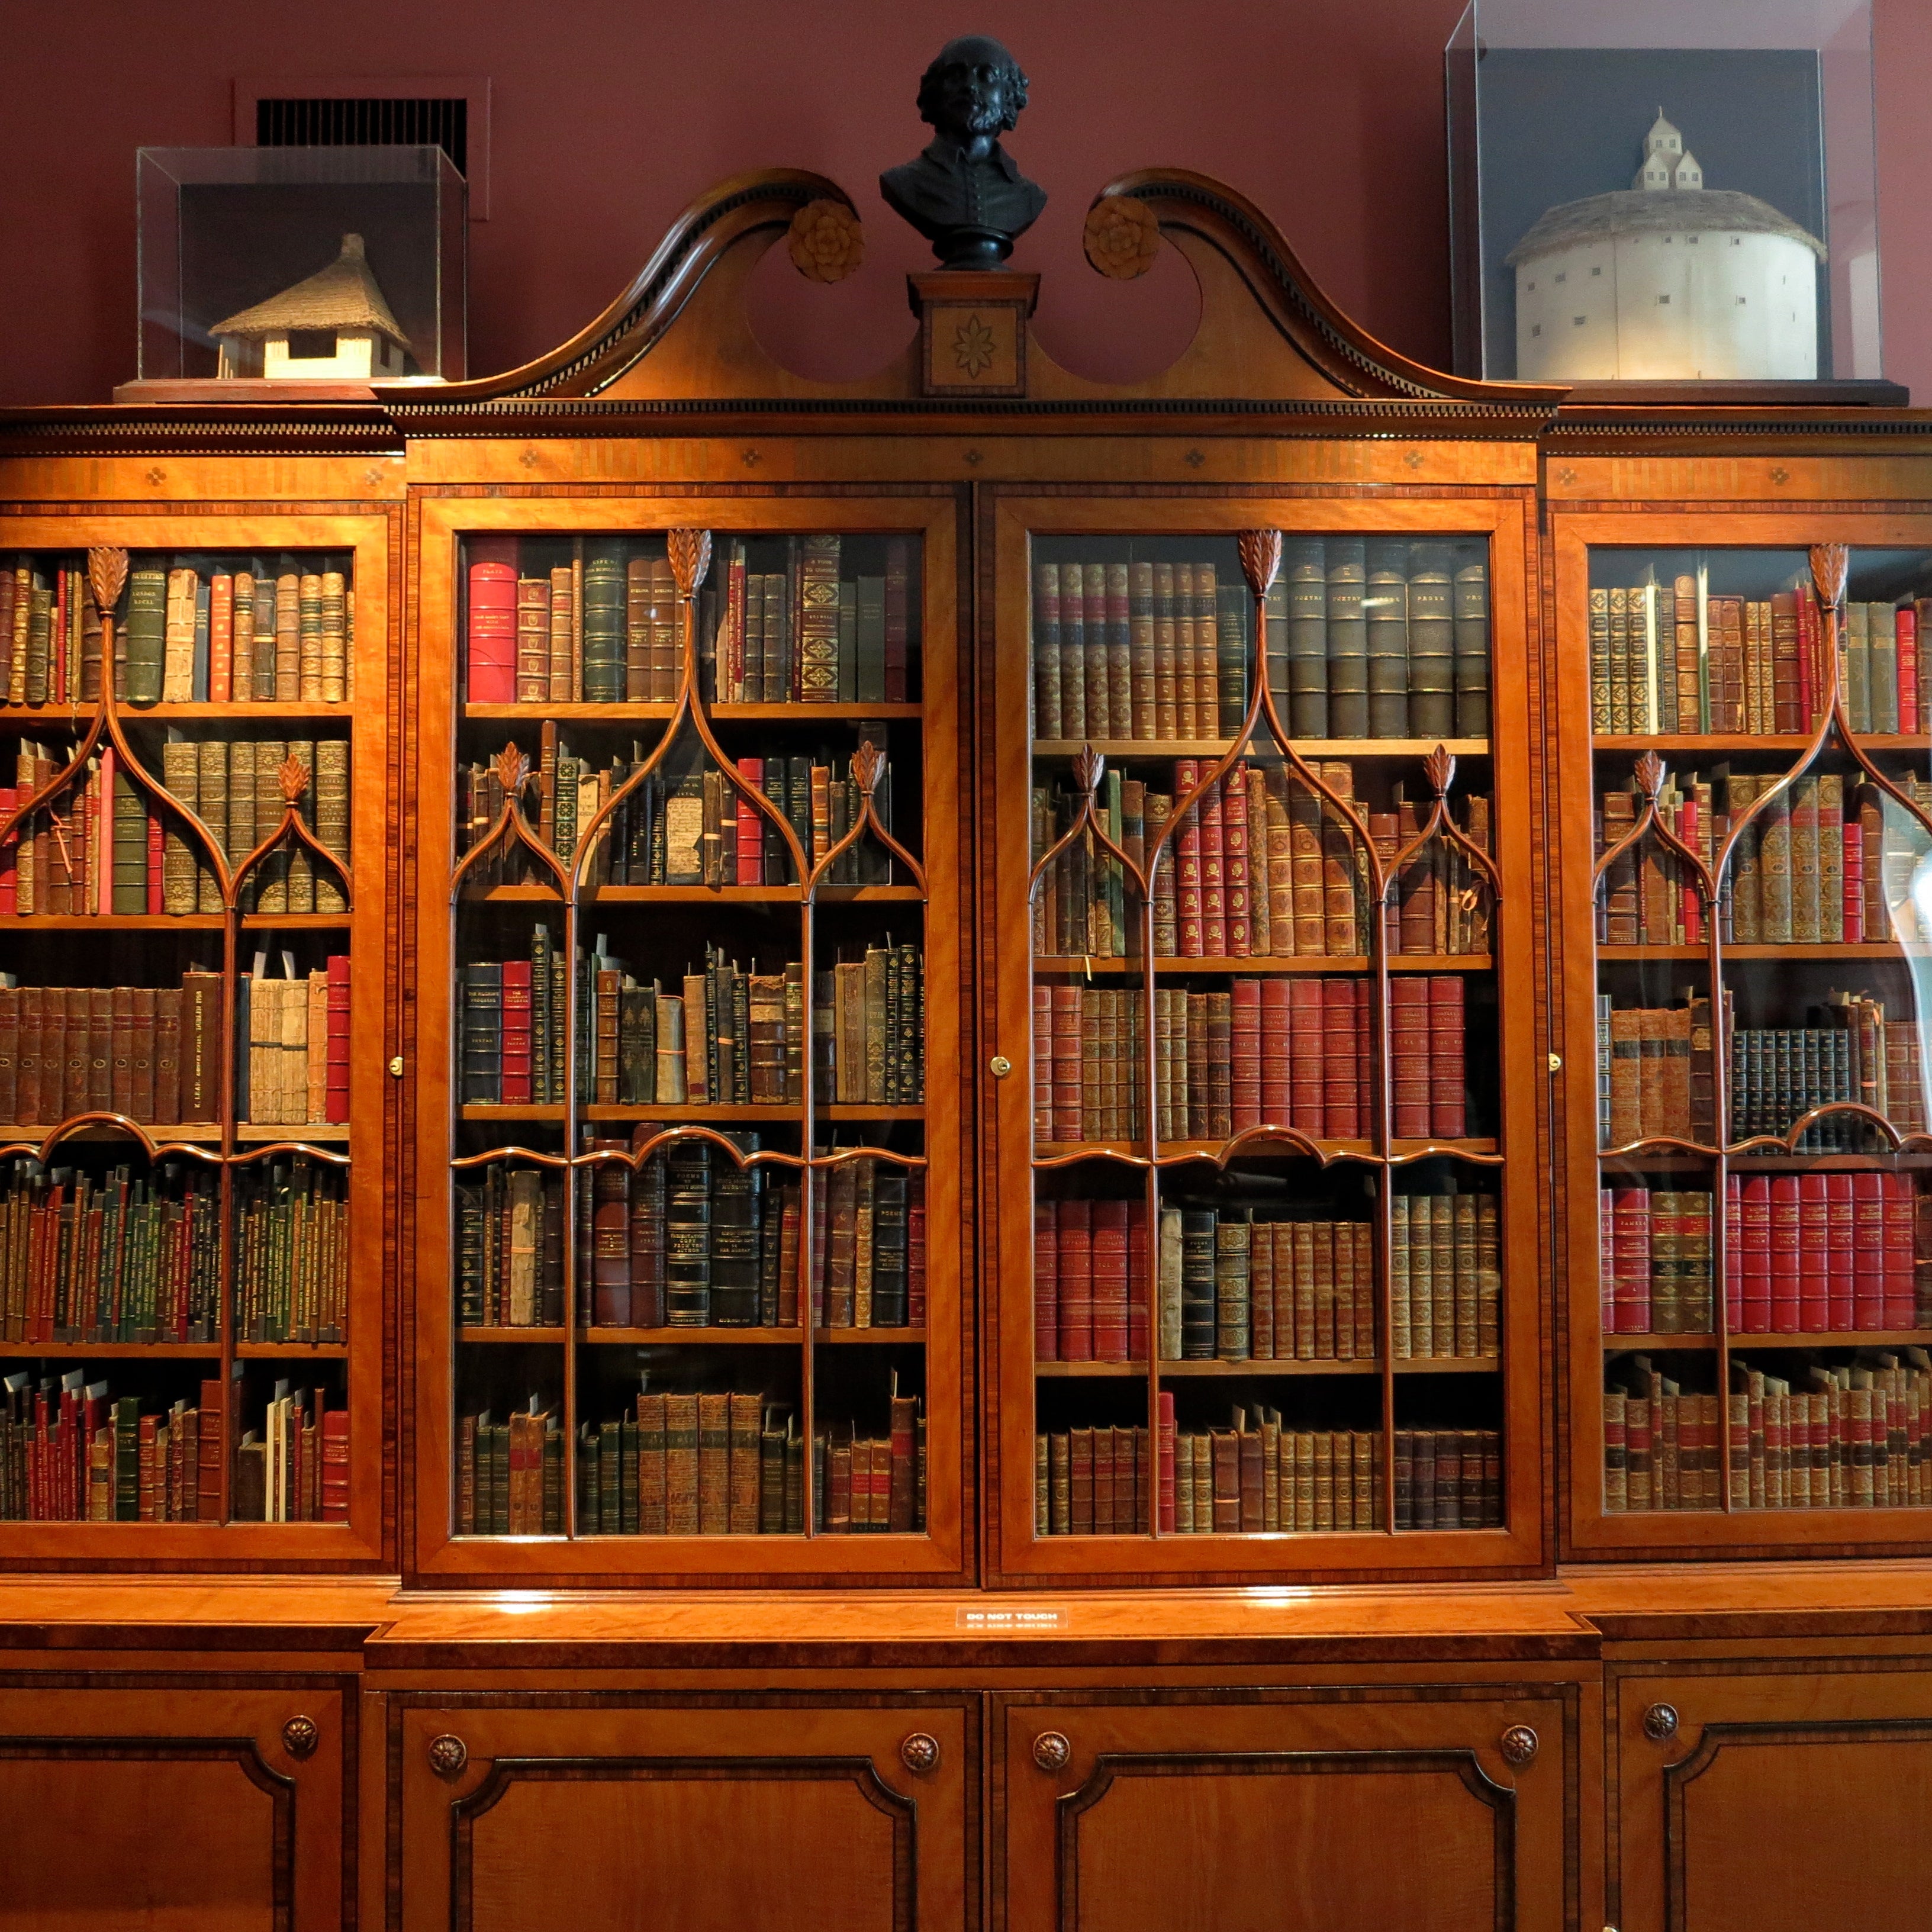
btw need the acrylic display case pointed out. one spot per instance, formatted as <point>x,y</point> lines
<point>285,246</point>
<point>1665,194</point>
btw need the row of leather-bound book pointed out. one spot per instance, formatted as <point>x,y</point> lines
<point>1823,1435</point>
<point>1376,638</point>
<point>712,1462</point>
<point>691,1239</point>
<point>1257,1477</point>
<point>71,1451</point>
<point>1287,1052</point>
<point>1667,656</point>
<point>193,630</point>
<point>1261,866</point>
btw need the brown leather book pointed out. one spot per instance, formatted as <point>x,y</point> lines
<point>743,1413</point>
<point>714,1463</point>
<point>167,1054</point>
<point>652,1486</point>
<point>681,1464</point>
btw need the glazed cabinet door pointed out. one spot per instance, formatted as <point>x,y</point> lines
<point>1333,1810</point>
<point>1771,1798</point>
<point>220,1808</point>
<point>793,1816</point>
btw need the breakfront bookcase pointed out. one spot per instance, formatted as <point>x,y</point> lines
<point>903,1118</point>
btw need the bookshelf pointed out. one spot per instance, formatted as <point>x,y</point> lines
<point>1115,1352</point>
<point>193,1201</point>
<point>1747,1365</point>
<point>736,1358</point>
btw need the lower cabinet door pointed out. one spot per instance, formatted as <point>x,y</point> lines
<point>1390,1809</point>
<point>1749,1799</point>
<point>734,1814</point>
<point>171,1810</point>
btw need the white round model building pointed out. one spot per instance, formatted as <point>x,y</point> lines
<point>1666,280</point>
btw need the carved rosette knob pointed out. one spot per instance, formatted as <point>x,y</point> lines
<point>1261,559</point>
<point>300,1736</point>
<point>447,1755</point>
<point>918,1752</point>
<point>1518,1744</point>
<point>107,576</point>
<point>1122,237</point>
<point>825,241</point>
<point>1051,1750</point>
<point>1660,1723</point>
<point>690,554</point>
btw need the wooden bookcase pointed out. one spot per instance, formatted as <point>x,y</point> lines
<point>664,421</point>
<point>1365,1388</point>
<point>1789,1287</point>
<point>585,1370</point>
<point>337,1354</point>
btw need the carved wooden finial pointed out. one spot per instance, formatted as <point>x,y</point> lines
<point>1439,768</point>
<point>107,577</point>
<point>1829,564</point>
<point>868,767</point>
<point>1089,768</point>
<point>294,776</point>
<point>1261,559</point>
<point>512,770</point>
<point>1648,773</point>
<point>690,552</point>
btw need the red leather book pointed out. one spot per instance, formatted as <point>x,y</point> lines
<point>1076,1281</point>
<point>1855,1290</point>
<point>1046,1281</point>
<point>1190,933</point>
<point>1138,1278</point>
<point>1788,1296</point>
<point>1779,1314</point>
<point>1812,679</point>
<point>1236,874</point>
<point>1164,1460</point>
<point>514,1054</point>
<point>334,1473</point>
<point>1109,1281</point>
<point>1277,1056</point>
<point>915,1251</point>
<point>1341,1115</point>
<point>156,845</point>
<point>338,1036</point>
<point>1408,1055</point>
<point>492,639</point>
<point>1245,1073</point>
<point>750,843</point>
<point>1446,1116</point>
<point>1901,1220</point>
<point>1630,1244</point>
<point>1750,1312</point>
<point>1214,876</point>
<point>1220,1066</point>
<point>1905,629</point>
<point>1306,1107</point>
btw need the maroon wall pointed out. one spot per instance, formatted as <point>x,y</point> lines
<point>611,114</point>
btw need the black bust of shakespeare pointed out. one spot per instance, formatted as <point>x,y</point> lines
<point>963,193</point>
